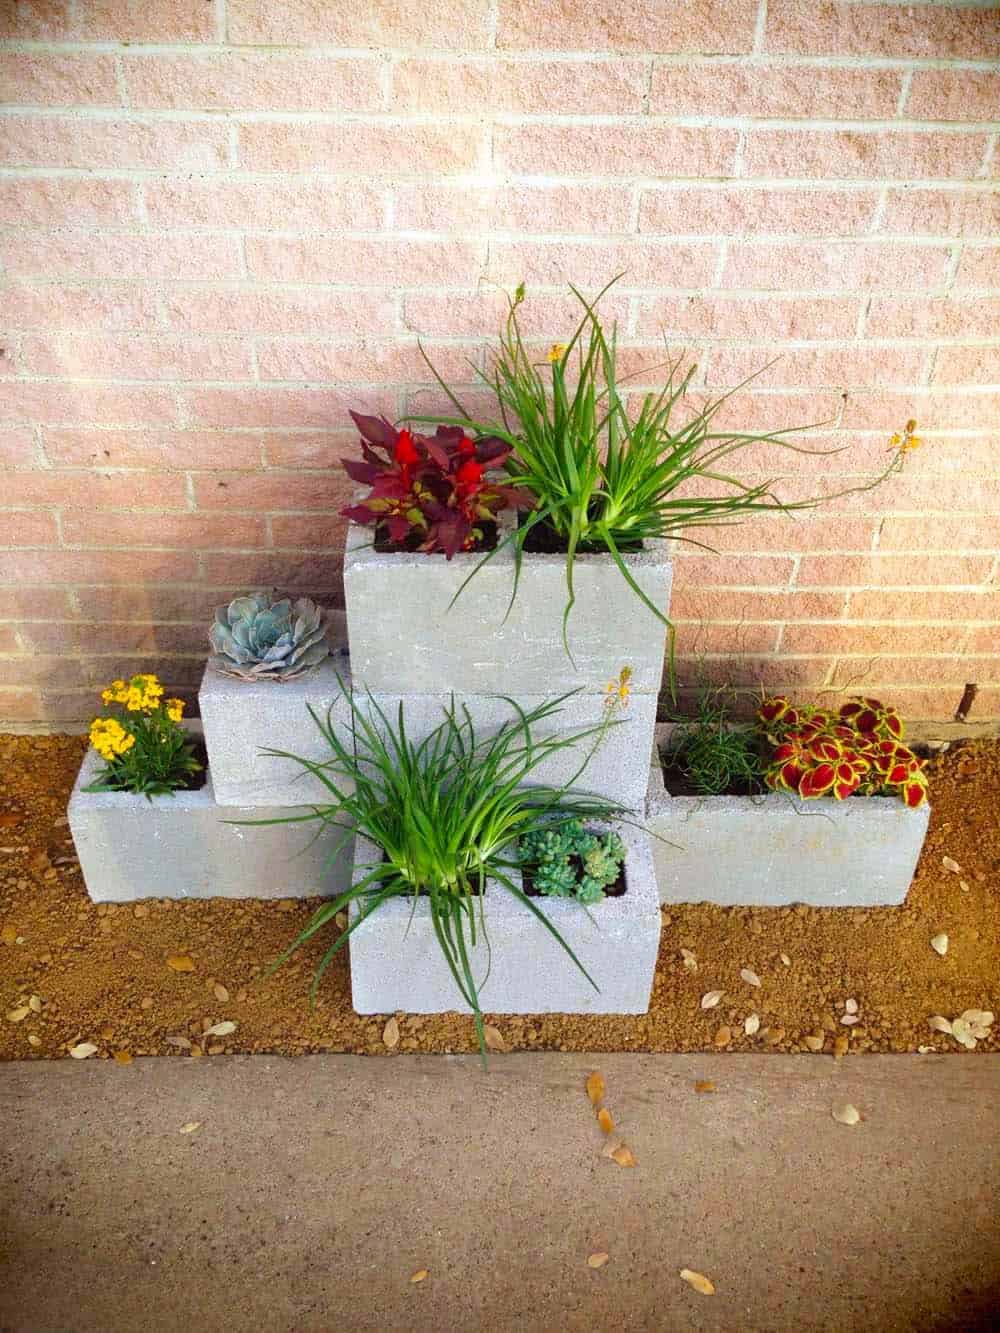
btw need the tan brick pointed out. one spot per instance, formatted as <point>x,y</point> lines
<point>939,705</point>
<point>979,267</point>
<point>770,411</point>
<point>806,530</point>
<point>179,532</point>
<point>19,705</point>
<point>707,27</point>
<point>563,209</point>
<point>282,407</point>
<point>398,147</point>
<point>933,317</point>
<point>27,604</point>
<point>698,604</point>
<point>104,567</point>
<point>967,365</point>
<point>953,94</point>
<point>940,532</point>
<point>89,254</point>
<point>952,607</point>
<point>547,317</point>
<point>95,490</point>
<point>310,449</point>
<point>544,87</point>
<point>40,201</point>
<point>27,528</point>
<point>42,78</point>
<point>17,447</point>
<point>60,141</point>
<point>933,410</point>
<point>785,91</point>
<point>750,318</point>
<point>369,362</point>
<point>262,492</point>
<point>170,450</point>
<point>63,306</point>
<point>245,81</point>
<point>863,154</point>
<point>263,310</point>
<point>892,571</point>
<point>42,21</point>
<point>817,367</point>
<point>956,668</point>
<point>464,24</point>
<point>160,602</point>
<point>8,642</point>
<point>869,640</point>
<point>833,266</point>
<point>310,532</point>
<point>138,356</point>
<point>152,21</point>
<point>777,674</point>
<point>390,262</point>
<point>303,571</point>
<point>458,206</point>
<point>80,637</point>
<point>942,212</point>
<point>707,569</point>
<point>694,640</point>
<point>53,404</point>
<point>986,640</point>
<point>839,27</point>
<point>615,150</point>
<point>642,263</point>
<point>757,211</point>
<point>264,205</point>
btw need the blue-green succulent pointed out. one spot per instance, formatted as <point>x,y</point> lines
<point>258,638</point>
<point>570,861</point>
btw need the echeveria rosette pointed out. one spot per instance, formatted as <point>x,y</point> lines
<point>258,638</point>
<point>569,861</point>
<point>434,488</point>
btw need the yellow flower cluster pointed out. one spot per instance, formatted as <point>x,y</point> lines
<point>557,351</point>
<point>140,694</point>
<point>109,738</point>
<point>616,692</point>
<point>907,440</point>
<point>175,709</point>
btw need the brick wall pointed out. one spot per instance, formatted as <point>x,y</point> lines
<point>224,221</point>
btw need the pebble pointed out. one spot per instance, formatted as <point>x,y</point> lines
<point>146,1002</point>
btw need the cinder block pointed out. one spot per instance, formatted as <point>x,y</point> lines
<point>182,846</point>
<point>397,964</point>
<point>243,718</point>
<point>406,636</point>
<point>616,762</point>
<point>768,851</point>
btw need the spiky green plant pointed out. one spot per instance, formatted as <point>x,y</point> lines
<point>444,813</point>
<point>712,752</point>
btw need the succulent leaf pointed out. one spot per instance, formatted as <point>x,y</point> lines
<point>258,638</point>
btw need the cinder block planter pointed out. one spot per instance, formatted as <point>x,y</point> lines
<point>242,718</point>
<point>181,846</point>
<point>403,636</point>
<point>396,963</point>
<point>772,850</point>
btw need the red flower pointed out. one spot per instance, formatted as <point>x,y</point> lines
<point>466,447</point>
<point>470,473</point>
<point>406,452</point>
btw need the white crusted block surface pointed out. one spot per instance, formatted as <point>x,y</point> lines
<point>397,964</point>
<point>242,718</point>
<point>617,761</point>
<point>768,851</point>
<point>405,634</point>
<point>182,846</point>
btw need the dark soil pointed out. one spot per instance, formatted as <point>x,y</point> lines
<point>384,546</point>
<point>544,540</point>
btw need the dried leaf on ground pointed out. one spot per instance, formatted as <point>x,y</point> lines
<point>849,1019</point>
<point>179,1040</point>
<point>690,962</point>
<point>939,943</point>
<point>963,886</point>
<point>623,1155</point>
<point>390,1033</point>
<point>420,1275</point>
<point>220,992</point>
<point>962,1033</point>
<point>122,1058</point>
<point>606,1120</point>
<point>724,1036</point>
<point>180,962</point>
<point>35,1004</point>
<point>751,1024</point>
<point>494,1038</point>
<point>751,978</point>
<point>851,1006</point>
<point>951,865</point>
<point>814,1041</point>
<point>83,1050</point>
<point>33,1040</point>
<point>785,959</point>
<point>220,1029</point>
<point>846,1113</point>
<point>598,1260</point>
<point>596,1088</point>
<point>699,1281</point>
<point>8,935</point>
<point>704,1085</point>
<point>940,1024</point>
<point>191,1126</point>
<point>19,1014</point>
<point>711,998</point>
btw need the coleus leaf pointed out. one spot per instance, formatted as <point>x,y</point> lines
<point>375,429</point>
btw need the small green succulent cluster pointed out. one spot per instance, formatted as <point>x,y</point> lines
<point>568,861</point>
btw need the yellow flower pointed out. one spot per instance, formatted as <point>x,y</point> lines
<point>907,440</point>
<point>557,351</point>
<point>617,691</point>
<point>109,738</point>
<point>175,709</point>
<point>133,700</point>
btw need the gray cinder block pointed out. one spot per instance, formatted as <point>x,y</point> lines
<point>405,636</point>
<point>768,851</point>
<point>396,963</point>
<point>182,846</point>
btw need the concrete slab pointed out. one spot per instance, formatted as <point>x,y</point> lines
<point>315,1187</point>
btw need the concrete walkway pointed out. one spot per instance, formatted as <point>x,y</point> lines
<point>314,1188</point>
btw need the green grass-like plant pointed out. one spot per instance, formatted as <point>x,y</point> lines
<point>714,755</point>
<point>445,814</point>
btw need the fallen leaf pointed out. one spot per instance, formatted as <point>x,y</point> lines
<point>606,1120</point>
<point>35,1004</point>
<point>846,1114</point>
<point>8,934</point>
<point>851,1006</point>
<point>220,1029</point>
<point>598,1260</point>
<point>420,1275</point>
<point>33,1040</point>
<point>191,1126</point>
<point>751,1024</point>
<point>704,1085</point>
<point>690,962</point>
<point>724,1036</point>
<point>814,1041</point>
<point>963,886</point>
<point>596,1088</point>
<point>181,1042</point>
<point>611,1146</point>
<point>711,998</point>
<point>785,959</point>
<point>924,1050</point>
<point>10,820</point>
<point>390,1033</point>
<point>122,1058</point>
<point>951,865</point>
<point>962,1033</point>
<point>220,992</point>
<point>180,962</point>
<point>19,1014</point>
<point>494,1038</point>
<point>699,1281</point>
<point>623,1155</point>
<point>849,1019</point>
<point>83,1050</point>
<point>940,1024</point>
<point>751,978</point>
<point>939,943</point>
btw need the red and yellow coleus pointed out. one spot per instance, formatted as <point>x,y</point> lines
<point>859,748</point>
